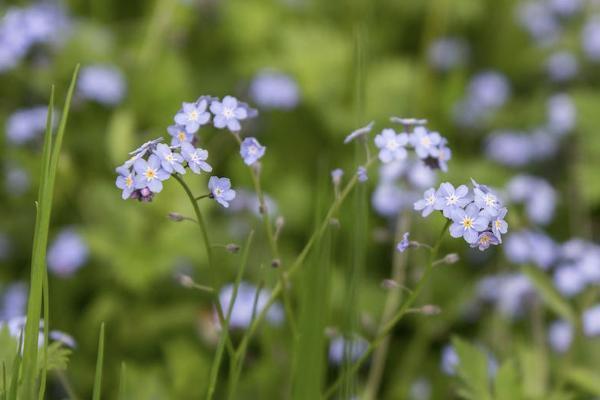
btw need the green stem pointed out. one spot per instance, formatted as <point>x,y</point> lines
<point>387,328</point>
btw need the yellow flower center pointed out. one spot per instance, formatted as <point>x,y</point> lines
<point>467,222</point>
<point>181,136</point>
<point>129,181</point>
<point>150,173</point>
<point>489,200</point>
<point>426,141</point>
<point>484,239</point>
<point>497,223</point>
<point>227,112</point>
<point>193,116</point>
<point>218,192</point>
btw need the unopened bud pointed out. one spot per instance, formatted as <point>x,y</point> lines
<point>334,222</point>
<point>279,222</point>
<point>185,281</point>
<point>173,216</point>
<point>276,263</point>
<point>451,258</point>
<point>430,309</point>
<point>389,284</point>
<point>232,248</point>
<point>257,167</point>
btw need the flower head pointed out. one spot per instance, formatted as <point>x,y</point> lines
<point>404,243</point>
<point>361,172</point>
<point>468,223</point>
<point>179,135</point>
<point>448,198</point>
<point>150,174</point>
<point>125,181</point>
<point>424,142</point>
<point>102,83</point>
<point>220,190</point>
<point>484,240</point>
<point>169,161</point>
<point>487,200</point>
<point>428,203</point>
<point>499,225</point>
<point>251,150</point>
<point>228,113</point>
<point>196,158</point>
<point>391,145</point>
<point>193,115</point>
<point>274,90</point>
<point>67,253</point>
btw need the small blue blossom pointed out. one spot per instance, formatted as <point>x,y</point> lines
<point>484,240</point>
<point>25,125</point>
<point>499,225</point>
<point>468,223</point>
<point>150,174</point>
<point>427,203</point>
<point>196,158</point>
<point>126,182</point>
<point>179,135</point>
<point>486,200</point>
<point>169,161</point>
<point>441,155</point>
<point>274,90</point>
<point>591,321</point>
<point>340,349</point>
<point>336,176</point>
<point>568,280</point>
<point>360,132</point>
<point>560,336</point>
<point>228,113</point>
<point>448,199</point>
<point>424,142</point>
<point>220,190</point>
<point>404,243</point>
<point>67,253</point>
<point>361,172</point>
<point>193,115</point>
<point>391,145</point>
<point>251,150</point>
<point>102,83</point>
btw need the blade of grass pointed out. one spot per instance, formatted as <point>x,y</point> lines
<point>99,363</point>
<point>46,295</point>
<point>123,383</point>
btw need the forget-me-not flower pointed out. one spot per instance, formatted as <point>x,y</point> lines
<point>102,83</point>
<point>361,173</point>
<point>220,190</point>
<point>193,115</point>
<point>251,150</point>
<point>67,253</point>
<point>499,225</point>
<point>169,161</point>
<point>150,174</point>
<point>448,198</point>
<point>485,199</point>
<point>468,223</point>
<point>485,240</point>
<point>424,142</point>
<point>125,181</point>
<point>391,145</point>
<point>179,135</point>
<point>560,336</point>
<point>428,203</point>
<point>228,113</point>
<point>591,321</point>
<point>404,243</point>
<point>195,157</point>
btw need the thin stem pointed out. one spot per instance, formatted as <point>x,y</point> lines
<point>204,196</point>
<point>387,328</point>
<point>209,253</point>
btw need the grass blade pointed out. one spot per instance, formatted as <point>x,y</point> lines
<point>46,295</point>
<point>123,383</point>
<point>99,363</point>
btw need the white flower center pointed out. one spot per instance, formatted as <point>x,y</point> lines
<point>228,112</point>
<point>467,222</point>
<point>425,141</point>
<point>150,174</point>
<point>451,200</point>
<point>170,159</point>
<point>489,200</point>
<point>252,150</point>
<point>195,158</point>
<point>218,192</point>
<point>392,144</point>
<point>430,200</point>
<point>193,116</point>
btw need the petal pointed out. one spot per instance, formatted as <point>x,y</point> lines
<point>216,107</point>
<point>205,166</point>
<point>212,182</point>
<point>188,107</point>
<point>456,230</point>
<point>481,224</point>
<point>140,166</point>
<point>203,118</point>
<point>229,195</point>
<point>379,141</point>
<point>180,118</point>
<point>155,185</point>
<point>163,175</point>
<point>420,204</point>
<point>462,191</point>
<point>471,236</point>
<point>233,125</point>
<point>230,101</point>
<point>457,214</point>
<point>219,121</point>
<point>192,127</point>
<point>385,156</point>
<point>241,113</point>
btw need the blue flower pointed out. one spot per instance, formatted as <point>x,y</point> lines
<point>251,150</point>
<point>102,83</point>
<point>424,142</point>
<point>195,157</point>
<point>220,190</point>
<point>336,176</point>
<point>361,172</point>
<point>404,243</point>
<point>67,253</point>
<point>591,321</point>
<point>179,135</point>
<point>484,240</point>
<point>560,335</point>
<point>359,132</point>
<point>485,199</point>
<point>169,161</point>
<point>193,115</point>
<point>274,90</point>
<point>428,202</point>
<point>391,145</point>
<point>126,182</point>
<point>449,199</point>
<point>441,155</point>
<point>499,225</point>
<point>468,223</point>
<point>228,113</point>
<point>150,174</point>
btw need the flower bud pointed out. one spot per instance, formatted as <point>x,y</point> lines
<point>232,248</point>
<point>276,263</point>
<point>451,258</point>
<point>185,281</point>
<point>173,216</point>
<point>430,309</point>
<point>389,284</point>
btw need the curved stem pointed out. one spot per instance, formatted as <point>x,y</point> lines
<point>387,328</point>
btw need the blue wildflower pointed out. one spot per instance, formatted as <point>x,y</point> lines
<point>67,253</point>
<point>25,125</point>
<point>468,223</point>
<point>485,199</point>
<point>340,349</point>
<point>560,335</point>
<point>440,156</point>
<point>499,225</point>
<point>361,172</point>
<point>428,202</point>
<point>244,305</point>
<point>391,145</point>
<point>484,240</point>
<point>228,113</point>
<point>569,280</point>
<point>336,176</point>
<point>102,83</point>
<point>359,132</point>
<point>424,142</point>
<point>274,90</point>
<point>179,135</point>
<point>150,174</point>
<point>126,182</point>
<point>169,161</point>
<point>220,190</point>
<point>195,157</point>
<point>591,321</point>
<point>251,150</point>
<point>193,115</point>
<point>404,243</point>
<point>449,199</point>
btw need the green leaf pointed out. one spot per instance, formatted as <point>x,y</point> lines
<point>534,370</point>
<point>549,294</point>
<point>585,379</point>
<point>507,385</point>
<point>472,371</point>
<point>99,364</point>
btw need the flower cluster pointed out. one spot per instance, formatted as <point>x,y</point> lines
<point>476,216</point>
<point>26,125</point>
<point>429,146</point>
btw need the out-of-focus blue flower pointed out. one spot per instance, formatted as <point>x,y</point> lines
<point>538,196</point>
<point>420,389</point>
<point>228,113</point>
<point>102,83</point>
<point>562,66</point>
<point>340,348</point>
<point>193,115</point>
<point>336,176</point>
<point>220,190</point>
<point>591,321</point>
<point>590,37</point>
<point>361,173</point>
<point>196,158</point>
<point>419,176</point>
<point>169,161</point>
<point>404,243</point>
<point>588,264</point>
<point>562,114</point>
<point>489,89</point>
<point>428,203</point>
<point>251,150</point>
<point>388,199</point>
<point>539,20</point>
<point>468,223</point>
<point>179,135</point>
<point>499,225</point>
<point>359,132</point>
<point>447,53</point>
<point>568,280</point>
<point>565,8</point>
<point>450,360</point>
<point>509,292</point>
<point>14,301</point>
<point>424,142</point>
<point>442,154</point>
<point>242,311</point>
<point>63,338</point>
<point>485,240</point>
<point>531,246</point>
<point>149,174</point>
<point>560,336</point>
<point>517,149</point>
<point>25,125</point>
<point>448,199</point>
<point>67,253</point>
<point>126,182</point>
<point>274,90</point>
<point>391,145</point>
<point>17,181</point>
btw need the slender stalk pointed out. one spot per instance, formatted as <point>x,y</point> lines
<point>392,302</point>
<point>387,328</point>
<point>64,381</point>
<point>99,364</point>
<point>209,253</point>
